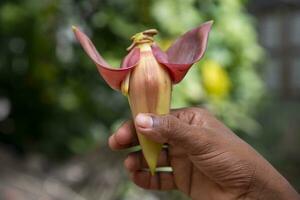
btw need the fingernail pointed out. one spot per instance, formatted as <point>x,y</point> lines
<point>144,121</point>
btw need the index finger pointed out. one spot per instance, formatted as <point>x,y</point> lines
<point>124,137</point>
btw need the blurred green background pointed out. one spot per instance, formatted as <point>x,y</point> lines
<point>56,113</point>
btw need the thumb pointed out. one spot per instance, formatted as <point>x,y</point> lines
<point>166,129</point>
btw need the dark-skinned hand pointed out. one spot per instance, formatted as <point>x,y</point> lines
<point>208,160</point>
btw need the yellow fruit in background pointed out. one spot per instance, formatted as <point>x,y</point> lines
<point>215,79</point>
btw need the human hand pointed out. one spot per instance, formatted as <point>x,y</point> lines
<point>208,160</point>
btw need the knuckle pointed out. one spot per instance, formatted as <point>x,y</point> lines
<point>168,123</point>
<point>200,111</point>
<point>201,117</point>
<point>192,116</point>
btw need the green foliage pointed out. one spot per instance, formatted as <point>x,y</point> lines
<point>59,105</point>
<point>232,44</point>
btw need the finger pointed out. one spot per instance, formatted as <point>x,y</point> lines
<point>160,181</point>
<point>169,129</point>
<point>166,181</point>
<point>136,161</point>
<point>124,137</point>
<point>164,129</point>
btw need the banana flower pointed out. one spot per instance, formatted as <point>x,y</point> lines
<point>147,73</point>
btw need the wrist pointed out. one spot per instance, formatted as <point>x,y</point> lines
<point>269,184</point>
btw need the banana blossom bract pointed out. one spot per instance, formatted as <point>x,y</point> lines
<point>147,73</point>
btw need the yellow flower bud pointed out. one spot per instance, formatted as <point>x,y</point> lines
<point>149,91</point>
